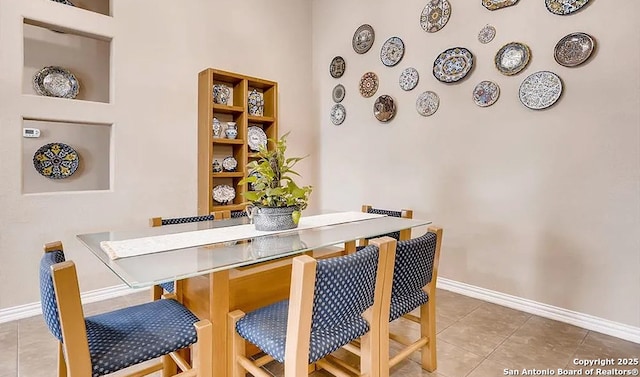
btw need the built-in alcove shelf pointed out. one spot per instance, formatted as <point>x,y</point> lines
<point>92,142</point>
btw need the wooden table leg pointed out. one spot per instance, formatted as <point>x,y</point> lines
<point>218,309</point>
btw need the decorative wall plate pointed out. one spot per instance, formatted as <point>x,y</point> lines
<point>453,64</point>
<point>56,160</point>
<point>574,49</point>
<point>392,51</point>
<point>256,138</point>
<point>65,2</point>
<point>384,109</point>
<point>486,93</point>
<point>221,94</point>
<point>223,194</point>
<point>256,103</point>
<point>565,7</point>
<point>409,78</point>
<point>512,58</point>
<point>338,93</point>
<point>229,163</point>
<point>363,39</point>
<point>427,103</point>
<point>435,15</point>
<point>337,67</point>
<point>497,4</point>
<point>338,114</point>
<point>540,90</point>
<point>486,34</point>
<point>56,82</point>
<point>368,84</point>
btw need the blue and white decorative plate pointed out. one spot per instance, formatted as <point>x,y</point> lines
<point>56,82</point>
<point>392,51</point>
<point>256,103</point>
<point>486,93</point>
<point>56,160</point>
<point>338,114</point>
<point>256,174</point>
<point>435,15</point>
<point>540,90</point>
<point>497,4</point>
<point>486,34</point>
<point>409,78</point>
<point>453,64</point>
<point>337,67</point>
<point>565,7</point>
<point>512,58</point>
<point>427,103</point>
<point>223,194</point>
<point>229,163</point>
<point>256,138</point>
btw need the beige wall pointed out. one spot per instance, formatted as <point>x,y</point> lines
<point>158,48</point>
<point>543,205</point>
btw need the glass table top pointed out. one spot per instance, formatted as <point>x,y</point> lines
<point>149,269</point>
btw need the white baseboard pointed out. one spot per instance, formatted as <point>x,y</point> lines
<point>586,321</point>
<point>33,309</point>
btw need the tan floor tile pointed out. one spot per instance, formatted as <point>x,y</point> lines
<point>610,346</point>
<point>453,361</point>
<point>9,349</point>
<point>33,330</point>
<point>454,306</point>
<point>106,306</point>
<point>488,368</point>
<point>484,329</point>
<point>602,347</point>
<point>409,368</point>
<point>38,359</point>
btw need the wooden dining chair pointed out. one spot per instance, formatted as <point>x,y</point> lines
<point>400,235</point>
<point>105,343</point>
<point>332,302</point>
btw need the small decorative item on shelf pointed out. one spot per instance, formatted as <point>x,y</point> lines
<point>223,194</point>
<point>56,160</point>
<point>256,138</point>
<point>256,103</point>
<point>229,163</point>
<point>221,94</point>
<point>276,200</point>
<point>216,167</point>
<point>217,128</point>
<point>56,82</point>
<point>231,131</point>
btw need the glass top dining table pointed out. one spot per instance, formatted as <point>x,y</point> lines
<point>150,269</point>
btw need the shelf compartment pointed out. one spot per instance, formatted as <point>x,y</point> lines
<point>261,119</point>
<point>228,141</point>
<point>228,174</point>
<point>227,109</point>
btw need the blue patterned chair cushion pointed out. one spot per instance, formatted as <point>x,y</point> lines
<point>183,220</point>
<point>238,213</point>
<point>387,212</point>
<point>129,336</point>
<point>168,287</point>
<point>412,271</point>
<point>344,290</point>
<point>47,293</point>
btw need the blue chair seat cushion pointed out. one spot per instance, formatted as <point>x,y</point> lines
<point>401,305</point>
<point>129,336</point>
<point>267,329</point>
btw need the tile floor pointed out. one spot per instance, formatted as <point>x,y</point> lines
<point>475,339</point>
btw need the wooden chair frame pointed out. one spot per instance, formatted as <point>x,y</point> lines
<point>73,355</point>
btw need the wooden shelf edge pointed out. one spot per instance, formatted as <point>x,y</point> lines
<point>227,141</point>
<point>230,207</point>
<point>230,174</point>
<point>227,109</point>
<point>260,119</point>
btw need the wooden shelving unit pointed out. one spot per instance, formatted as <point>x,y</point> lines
<point>210,148</point>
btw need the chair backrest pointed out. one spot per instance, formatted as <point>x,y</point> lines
<point>238,213</point>
<point>414,266</point>
<point>217,215</point>
<point>47,291</point>
<point>405,213</point>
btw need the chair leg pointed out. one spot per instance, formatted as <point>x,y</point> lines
<point>236,346</point>
<point>156,292</point>
<point>62,364</point>
<point>428,330</point>
<point>169,367</point>
<point>202,351</point>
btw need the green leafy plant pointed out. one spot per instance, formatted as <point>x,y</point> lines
<point>272,183</point>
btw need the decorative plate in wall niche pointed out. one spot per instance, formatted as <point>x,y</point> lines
<point>435,15</point>
<point>338,93</point>
<point>256,138</point>
<point>409,78</point>
<point>229,163</point>
<point>384,109</point>
<point>427,103</point>
<point>223,194</point>
<point>512,58</point>
<point>574,49</point>
<point>368,84</point>
<point>392,51</point>
<point>497,4</point>
<point>486,93</point>
<point>540,90</point>
<point>338,114</point>
<point>337,67</point>
<point>363,39</point>
<point>486,34</point>
<point>453,64</point>
<point>565,7</point>
<point>56,160</point>
<point>56,82</point>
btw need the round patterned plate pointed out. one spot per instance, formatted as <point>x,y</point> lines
<point>392,51</point>
<point>368,84</point>
<point>565,7</point>
<point>512,58</point>
<point>453,64</point>
<point>56,160</point>
<point>540,90</point>
<point>56,82</point>
<point>486,93</point>
<point>486,34</point>
<point>223,194</point>
<point>256,138</point>
<point>435,15</point>
<point>338,114</point>
<point>409,78</point>
<point>574,49</point>
<point>337,67</point>
<point>363,39</point>
<point>256,103</point>
<point>384,109</point>
<point>229,163</point>
<point>497,4</point>
<point>427,103</point>
<point>338,93</point>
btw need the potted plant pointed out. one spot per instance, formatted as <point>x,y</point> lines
<point>277,201</point>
